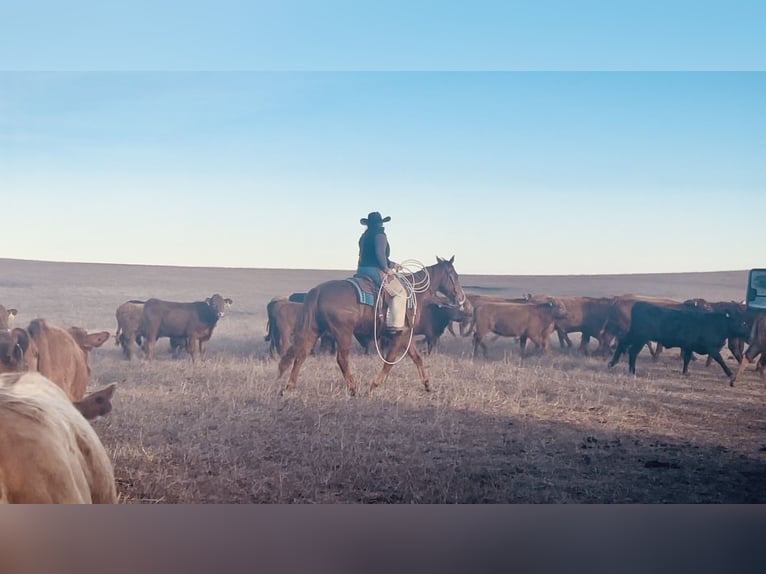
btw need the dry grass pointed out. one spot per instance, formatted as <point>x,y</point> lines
<point>550,430</point>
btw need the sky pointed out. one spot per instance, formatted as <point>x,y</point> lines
<point>561,163</point>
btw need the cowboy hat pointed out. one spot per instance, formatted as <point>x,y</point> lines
<point>374,218</point>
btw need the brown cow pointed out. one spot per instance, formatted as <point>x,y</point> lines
<point>191,321</point>
<point>757,347</point>
<point>473,300</point>
<point>535,321</point>
<point>585,315</point>
<point>128,334</point>
<point>48,452</point>
<point>62,361</point>
<point>6,317</point>
<point>128,317</point>
<point>282,316</point>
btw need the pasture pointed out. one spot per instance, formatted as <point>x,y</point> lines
<point>559,429</point>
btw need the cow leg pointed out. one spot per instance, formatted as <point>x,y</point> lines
<point>202,348</point>
<point>430,344</point>
<point>149,344</point>
<point>618,353</point>
<point>656,351</point>
<point>687,356</point>
<point>584,342</point>
<point>719,359</point>
<point>752,352</point>
<point>737,348</point>
<point>563,338</point>
<point>192,348</point>
<point>523,345</point>
<point>632,354</point>
<point>477,342</point>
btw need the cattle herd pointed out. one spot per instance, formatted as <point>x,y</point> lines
<point>50,453</point>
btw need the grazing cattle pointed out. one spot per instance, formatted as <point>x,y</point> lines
<point>435,315</point>
<point>692,330</point>
<point>535,321</point>
<point>193,322</point>
<point>48,452</point>
<point>585,315</point>
<point>6,317</point>
<point>757,347</point>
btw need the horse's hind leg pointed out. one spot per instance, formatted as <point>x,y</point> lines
<point>296,355</point>
<point>343,346</point>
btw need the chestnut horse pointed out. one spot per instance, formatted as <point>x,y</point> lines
<point>333,307</point>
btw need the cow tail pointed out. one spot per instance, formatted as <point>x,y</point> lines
<point>117,334</point>
<point>268,336</point>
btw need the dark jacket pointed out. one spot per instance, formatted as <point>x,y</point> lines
<point>374,250</point>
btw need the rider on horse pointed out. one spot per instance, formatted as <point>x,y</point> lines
<point>374,263</point>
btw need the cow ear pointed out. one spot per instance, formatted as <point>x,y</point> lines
<point>452,259</point>
<point>439,259</point>
<point>96,339</point>
<point>208,300</point>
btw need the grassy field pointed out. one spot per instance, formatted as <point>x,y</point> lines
<point>562,429</point>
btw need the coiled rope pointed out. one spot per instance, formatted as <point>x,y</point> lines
<point>409,268</point>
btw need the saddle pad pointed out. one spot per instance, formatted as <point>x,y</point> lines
<point>368,298</point>
<point>364,297</point>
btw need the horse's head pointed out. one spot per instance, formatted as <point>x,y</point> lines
<point>444,280</point>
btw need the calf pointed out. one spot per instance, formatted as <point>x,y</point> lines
<point>535,321</point>
<point>585,315</point>
<point>48,452</point>
<point>692,330</point>
<point>193,322</point>
<point>434,316</point>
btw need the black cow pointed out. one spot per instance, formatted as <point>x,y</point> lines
<point>193,322</point>
<point>434,317</point>
<point>692,330</point>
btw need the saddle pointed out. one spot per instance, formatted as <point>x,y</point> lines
<point>367,293</point>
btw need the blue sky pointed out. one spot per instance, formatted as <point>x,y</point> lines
<point>513,172</point>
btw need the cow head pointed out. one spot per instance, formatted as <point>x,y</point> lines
<point>88,341</point>
<point>219,304</point>
<point>558,310</point>
<point>97,404</point>
<point>6,317</point>
<point>454,312</point>
<point>738,323</point>
<point>15,345</point>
